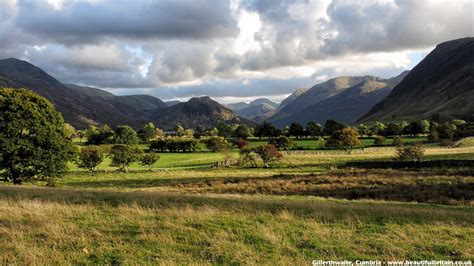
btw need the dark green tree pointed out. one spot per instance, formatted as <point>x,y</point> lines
<point>332,126</point>
<point>98,136</point>
<point>282,142</point>
<point>266,130</point>
<point>33,143</point>
<point>125,135</point>
<point>242,132</point>
<point>314,129</point>
<point>149,159</point>
<point>147,132</point>
<point>296,130</point>
<point>123,155</point>
<point>90,157</point>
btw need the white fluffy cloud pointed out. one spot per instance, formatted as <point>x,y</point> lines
<point>234,48</point>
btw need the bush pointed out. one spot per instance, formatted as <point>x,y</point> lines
<point>397,141</point>
<point>414,152</point>
<point>216,144</point>
<point>282,143</point>
<point>149,159</point>
<point>379,140</point>
<point>123,155</point>
<point>248,157</point>
<point>90,157</point>
<point>174,144</point>
<point>240,143</point>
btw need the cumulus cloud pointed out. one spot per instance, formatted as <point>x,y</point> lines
<point>225,48</point>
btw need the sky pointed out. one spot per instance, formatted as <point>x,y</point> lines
<point>231,50</point>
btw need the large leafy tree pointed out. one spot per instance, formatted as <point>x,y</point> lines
<point>126,135</point>
<point>33,143</point>
<point>123,155</point>
<point>346,139</point>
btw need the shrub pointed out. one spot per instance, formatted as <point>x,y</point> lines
<point>90,157</point>
<point>282,143</point>
<point>240,143</point>
<point>216,144</point>
<point>397,141</point>
<point>174,144</point>
<point>379,140</point>
<point>123,155</point>
<point>248,157</point>
<point>149,159</point>
<point>414,152</point>
<point>268,153</point>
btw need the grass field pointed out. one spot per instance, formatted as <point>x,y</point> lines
<point>307,206</point>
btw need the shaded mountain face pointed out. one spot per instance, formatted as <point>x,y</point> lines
<point>78,109</point>
<point>198,111</point>
<point>257,110</point>
<point>135,106</point>
<point>171,103</point>
<point>291,98</point>
<point>442,83</point>
<point>344,99</point>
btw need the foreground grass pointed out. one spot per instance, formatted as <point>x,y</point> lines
<point>67,226</point>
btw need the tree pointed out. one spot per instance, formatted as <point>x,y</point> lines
<point>242,132</point>
<point>149,159</point>
<point>377,128</point>
<point>266,130</point>
<point>346,139</point>
<point>69,131</point>
<point>413,152</point>
<point>268,153</point>
<point>224,130</point>
<point>123,155</point>
<point>296,129</point>
<point>216,144</point>
<point>379,140</point>
<point>425,125</point>
<point>179,130</point>
<point>393,129</point>
<point>147,132</point>
<point>414,128</point>
<point>33,144</point>
<point>282,142</point>
<point>90,157</point>
<point>98,136</point>
<point>363,130</point>
<point>126,135</point>
<point>332,126</point>
<point>445,131</point>
<point>314,129</point>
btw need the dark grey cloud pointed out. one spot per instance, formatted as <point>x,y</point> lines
<point>80,22</point>
<point>161,47</point>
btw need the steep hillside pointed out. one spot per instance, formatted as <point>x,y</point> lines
<point>77,108</point>
<point>202,111</point>
<point>291,98</point>
<point>313,95</point>
<point>344,99</point>
<point>442,83</point>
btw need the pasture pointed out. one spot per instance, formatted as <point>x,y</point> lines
<point>306,206</point>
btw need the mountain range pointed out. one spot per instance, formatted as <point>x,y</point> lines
<point>82,106</point>
<point>257,110</point>
<point>442,83</point>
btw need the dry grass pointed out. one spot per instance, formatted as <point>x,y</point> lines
<point>62,226</point>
